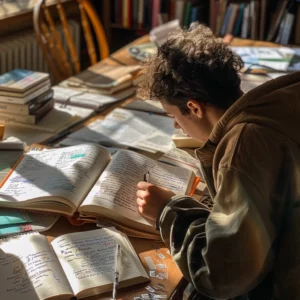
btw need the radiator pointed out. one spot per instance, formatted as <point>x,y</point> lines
<point>23,51</point>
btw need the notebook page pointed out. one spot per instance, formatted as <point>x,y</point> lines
<point>88,259</point>
<point>30,269</point>
<point>116,187</point>
<point>66,172</point>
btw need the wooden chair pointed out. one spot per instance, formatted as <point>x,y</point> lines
<point>48,37</point>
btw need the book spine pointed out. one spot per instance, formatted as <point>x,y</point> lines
<point>140,13</point>
<point>125,14</point>
<point>194,14</point>
<point>155,12</point>
<point>42,111</point>
<point>262,19</point>
<point>220,18</point>
<point>245,25</point>
<point>239,21</point>
<point>215,17</point>
<point>179,11</point>
<point>290,18</point>
<point>120,12</point>
<point>187,14</point>
<point>135,5</point>
<point>212,4</point>
<point>172,10</point>
<point>297,26</point>
<point>129,12</point>
<point>232,18</point>
<point>281,29</point>
<point>20,100</point>
<point>7,118</point>
<point>226,19</point>
<point>28,108</point>
<point>277,20</point>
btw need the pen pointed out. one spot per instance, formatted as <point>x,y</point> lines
<point>147,177</point>
<point>116,270</point>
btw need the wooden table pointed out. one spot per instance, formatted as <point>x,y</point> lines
<point>142,246</point>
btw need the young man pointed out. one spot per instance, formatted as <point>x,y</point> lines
<point>249,243</point>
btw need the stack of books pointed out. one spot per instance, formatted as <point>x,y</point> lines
<point>98,87</point>
<point>25,96</point>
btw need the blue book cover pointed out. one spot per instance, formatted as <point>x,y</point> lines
<point>239,20</point>
<point>194,14</point>
<point>13,217</point>
<point>226,19</point>
<point>14,229</point>
<point>19,80</point>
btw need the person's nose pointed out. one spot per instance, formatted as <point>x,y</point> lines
<point>176,125</point>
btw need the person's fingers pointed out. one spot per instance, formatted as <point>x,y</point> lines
<point>142,194</point>
<point>140,209</point>
<point>142,185</point>
<point>140,201</point>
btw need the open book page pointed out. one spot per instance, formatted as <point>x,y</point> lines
<point>30,269</point>
<point>116,188</point>
<point>88,261</point>
<point>67,173</point>
<point>136,129</point>
<point>182,158</point>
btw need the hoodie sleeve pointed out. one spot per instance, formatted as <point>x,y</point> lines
<point>225,252</point>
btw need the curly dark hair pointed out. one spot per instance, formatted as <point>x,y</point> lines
<point>194,65</point>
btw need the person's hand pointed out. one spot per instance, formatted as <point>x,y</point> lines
<point>151,199</point>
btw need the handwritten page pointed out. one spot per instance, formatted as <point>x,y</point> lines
<point>88,259</point>
<point>67,172</point>
<point>30,269</point>
<point>136,129</point>
<point>116,187</point>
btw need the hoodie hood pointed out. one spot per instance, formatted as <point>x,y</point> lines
<point>274,104</point>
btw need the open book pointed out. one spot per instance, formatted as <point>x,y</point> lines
<point>85,178</point>
<point>76,264</point>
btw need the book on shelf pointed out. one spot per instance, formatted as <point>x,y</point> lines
<point>29,107</point>
<point>277,17</point>
<point>20,80</point>
<point>148,14</point>
<point>297,24</point>
<point>93,101</point>
<point>87,180</point>
<point>22,98</point>
<point>79,264</point>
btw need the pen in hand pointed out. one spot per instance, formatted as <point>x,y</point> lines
<point>147,177</point>
<point>116,270</point>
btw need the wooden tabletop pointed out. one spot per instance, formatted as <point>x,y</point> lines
<point>143,247</point>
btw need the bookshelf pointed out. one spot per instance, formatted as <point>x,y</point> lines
<point>266,20</point>
<point>269,20</point>
<point>126,20</point>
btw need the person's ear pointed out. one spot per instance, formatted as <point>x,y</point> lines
<point>196,108</point>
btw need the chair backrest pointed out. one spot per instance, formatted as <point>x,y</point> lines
<point>48,37</point>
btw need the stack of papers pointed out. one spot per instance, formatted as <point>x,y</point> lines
<point>275,58</point>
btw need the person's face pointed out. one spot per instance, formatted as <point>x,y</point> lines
<point>194,124</point>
